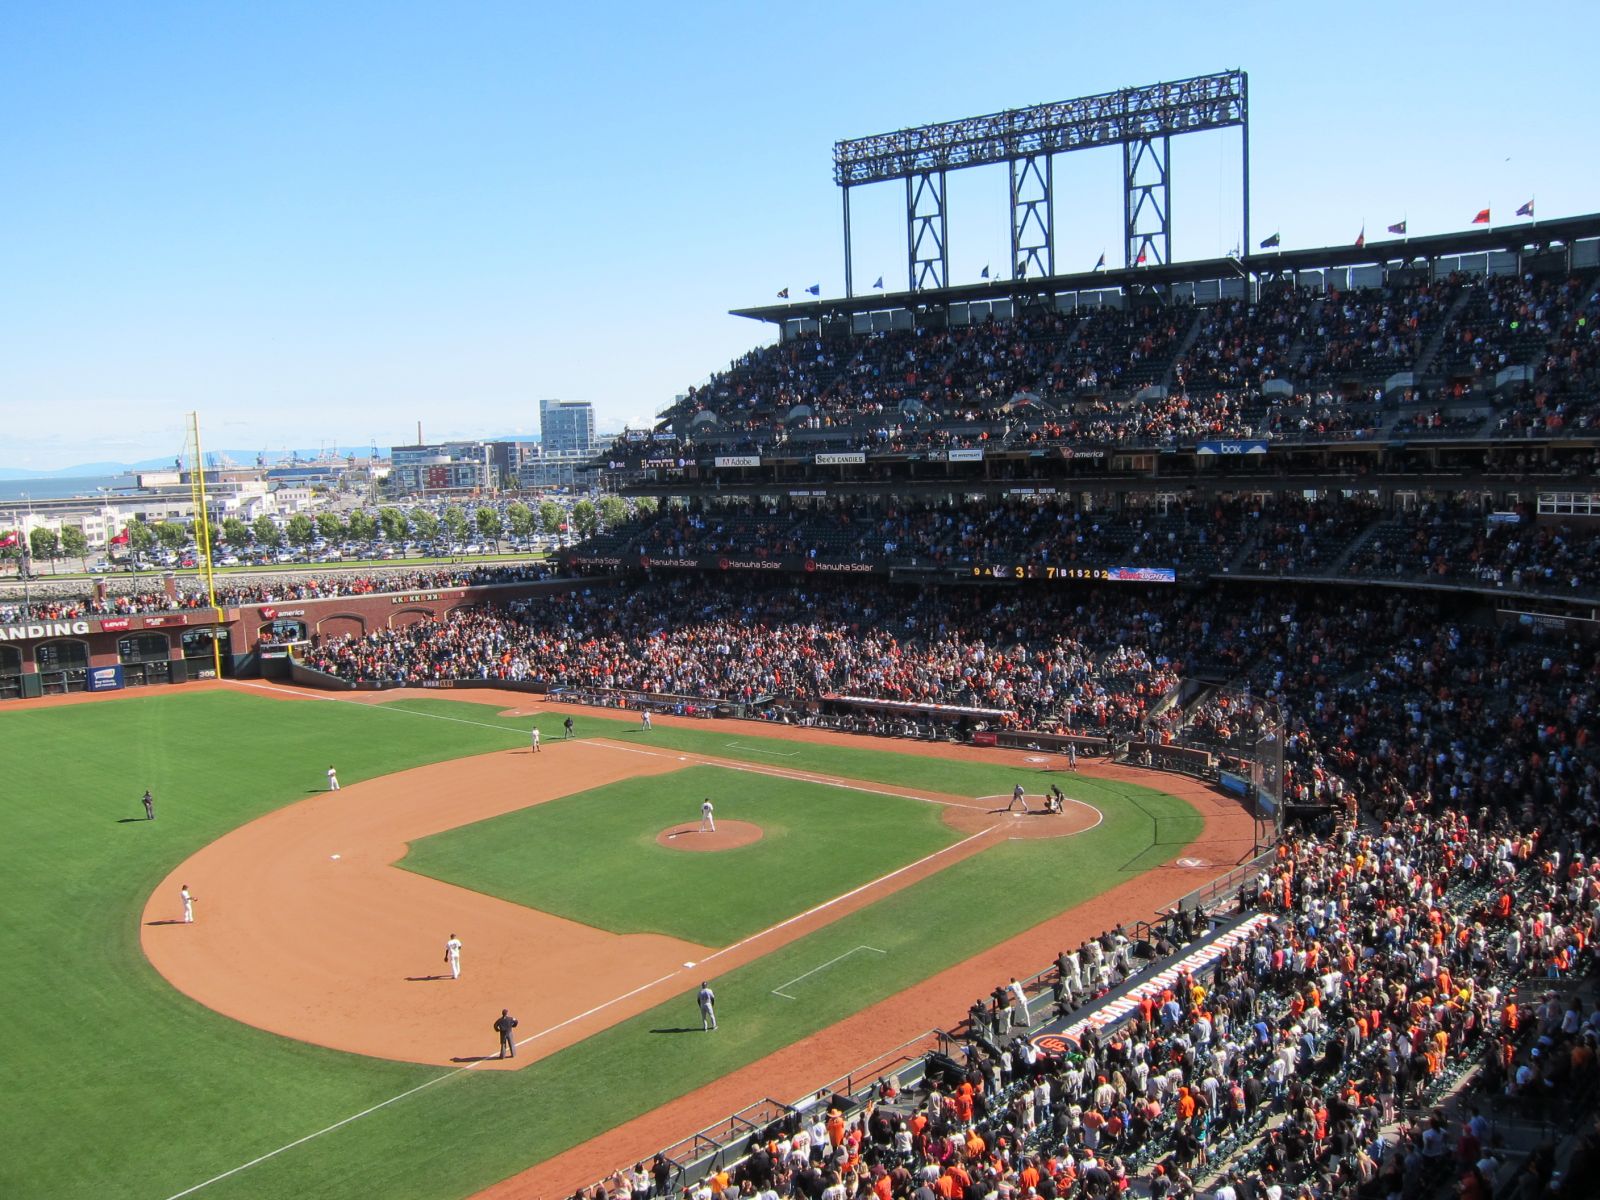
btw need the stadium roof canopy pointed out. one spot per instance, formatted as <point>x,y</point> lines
<point>1266,264</point>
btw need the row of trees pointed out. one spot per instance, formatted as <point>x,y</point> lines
<point>301,530</point>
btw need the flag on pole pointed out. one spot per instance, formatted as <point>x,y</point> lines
<point>1399,227</point>
<point>879,284</point>
<point>1100,265</point>
<point>1271,243</point>
<point>1482,218</point>
<point>122,538</point>
<point>1526,210</point>
<point>783,295</point>
<point>815,289</point>
<point>1361,238</point>
<point>984,274</point>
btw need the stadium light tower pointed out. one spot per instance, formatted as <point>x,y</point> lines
<point>1142,120</point>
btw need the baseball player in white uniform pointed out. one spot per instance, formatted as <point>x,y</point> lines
<point>188,904</point>
<point>708,1003</point>
<point>708,822</point>
<point>644,721</point>
<point>333,780</point>
<point>452,955</point>
<point>533,739</point>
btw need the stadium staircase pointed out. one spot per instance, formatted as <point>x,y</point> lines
<point>1185,344</point>
<point>1355,546</point>
<point>1435,342</point>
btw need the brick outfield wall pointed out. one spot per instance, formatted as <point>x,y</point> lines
<point>326,617</point>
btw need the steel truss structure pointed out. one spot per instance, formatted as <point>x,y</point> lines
<point>1142,120</point>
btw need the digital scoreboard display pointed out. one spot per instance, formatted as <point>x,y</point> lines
<point>1100,574</point>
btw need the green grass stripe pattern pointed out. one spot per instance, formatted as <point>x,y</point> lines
<point>118,1086</point>
<point>593,857</point>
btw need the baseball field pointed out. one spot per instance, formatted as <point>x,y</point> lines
<point>303,1036</point>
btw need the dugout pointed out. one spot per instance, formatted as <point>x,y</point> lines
<point>905,718</point>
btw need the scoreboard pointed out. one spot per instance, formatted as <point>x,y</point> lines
<point>1064,574</point>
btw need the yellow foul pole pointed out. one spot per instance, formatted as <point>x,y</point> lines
<point>202,537</point>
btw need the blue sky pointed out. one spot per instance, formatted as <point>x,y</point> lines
<point>323,223</point>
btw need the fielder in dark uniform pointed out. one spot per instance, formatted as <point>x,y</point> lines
<point>503,1026</point>
<point>149,806</point>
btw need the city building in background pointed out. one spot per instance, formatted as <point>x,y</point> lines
<point>566,426</point>
<point>441,467</point>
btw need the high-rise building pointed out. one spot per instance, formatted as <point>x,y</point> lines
<point>566,426</point>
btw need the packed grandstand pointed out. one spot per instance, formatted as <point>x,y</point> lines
<point>1370,507</point>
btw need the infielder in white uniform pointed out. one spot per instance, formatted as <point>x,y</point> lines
<point>333,780</point>
<point>708,1003</point>
<point>533,739</point>
<point>188,904</point>
<point>708,823</point>
<point>452,955</point>
<point>644,721</point>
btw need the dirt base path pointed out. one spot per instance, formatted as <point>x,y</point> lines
<point>788,1074</point>
<point>305,927</point>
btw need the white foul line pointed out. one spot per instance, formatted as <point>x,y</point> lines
<point>778,991</point>
<point>759,750</point>
<point>337,1124</point>
<point>826,904</point>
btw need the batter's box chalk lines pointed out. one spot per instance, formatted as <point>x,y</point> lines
<point>779,990</point>
<point>760,750</point>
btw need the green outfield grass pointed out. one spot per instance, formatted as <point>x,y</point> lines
<point>118,1086</point>
<point>593,857</point>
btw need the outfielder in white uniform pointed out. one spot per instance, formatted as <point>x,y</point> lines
<point>644,721</point>
<point>708,822</point>
<point>452,955</point>
<point>333,780</point>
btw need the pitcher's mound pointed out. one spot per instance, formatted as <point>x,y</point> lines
<point>730,835</point>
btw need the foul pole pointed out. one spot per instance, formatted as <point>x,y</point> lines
<point>202,537</point>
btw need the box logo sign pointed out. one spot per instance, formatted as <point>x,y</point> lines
<point>1252,447</point>
<point>737,460</point>
<point>853,458</point>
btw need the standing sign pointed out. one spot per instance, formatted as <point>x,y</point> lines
<point>104,679</point>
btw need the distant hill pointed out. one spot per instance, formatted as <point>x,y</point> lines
<point>245,458</point>
<point>82,469</point>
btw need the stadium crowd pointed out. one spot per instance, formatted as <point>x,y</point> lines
<point>693,637</point>
<point>1415,987</point>
<point>1440,539</point>
<point>112,602</point>
<point>1521,345</point>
